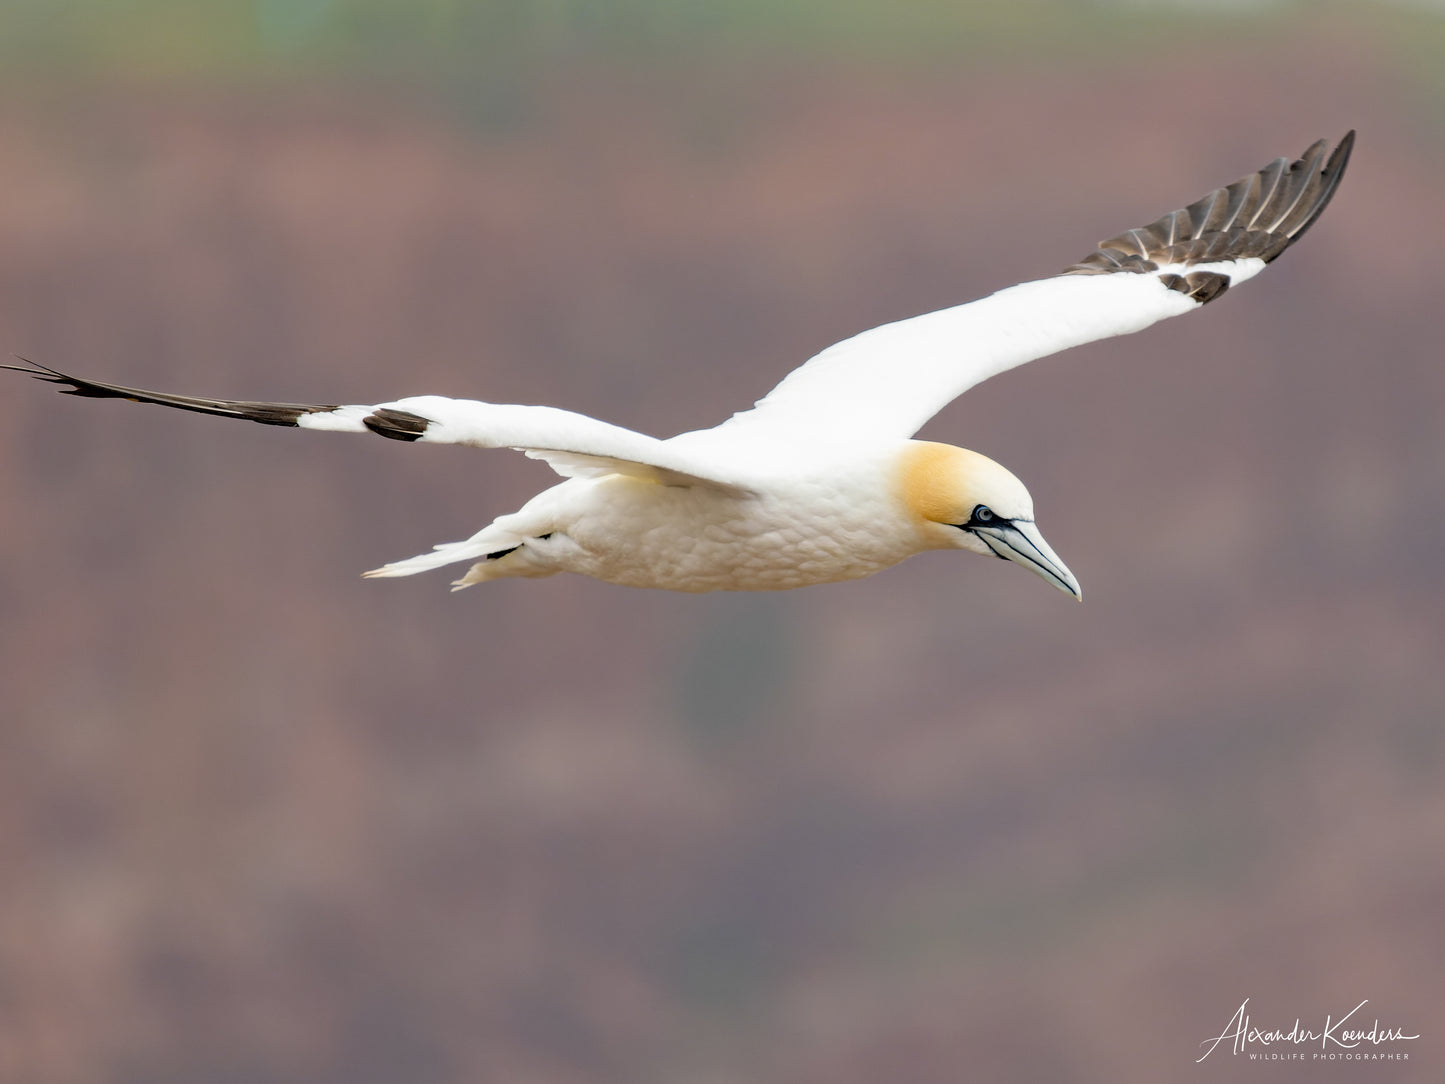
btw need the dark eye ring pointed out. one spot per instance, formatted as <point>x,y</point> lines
<point>982,514</point>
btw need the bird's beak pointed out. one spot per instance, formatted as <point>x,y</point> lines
<point>1021,543</point>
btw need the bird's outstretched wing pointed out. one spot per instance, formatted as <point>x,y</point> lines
<point>892,379</point>
<point>572,444</point>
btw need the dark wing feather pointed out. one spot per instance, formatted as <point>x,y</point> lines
<point>265,413</point>
<point>1258,216</point>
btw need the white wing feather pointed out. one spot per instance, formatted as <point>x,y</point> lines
<point>890,380</point>
<point>573,444</point>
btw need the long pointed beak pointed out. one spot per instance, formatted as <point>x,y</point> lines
<point>1021,543</point>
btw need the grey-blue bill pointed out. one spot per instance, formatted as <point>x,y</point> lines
<point>1020,541</point>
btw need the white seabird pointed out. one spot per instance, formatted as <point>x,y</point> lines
<point>820,481</point>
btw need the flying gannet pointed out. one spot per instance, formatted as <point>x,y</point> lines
<point>820,480</point>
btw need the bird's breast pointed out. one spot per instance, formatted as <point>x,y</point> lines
<point>788,534</point>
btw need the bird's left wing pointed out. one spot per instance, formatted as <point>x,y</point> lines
<point>572,444</point>
<point>892,379</point>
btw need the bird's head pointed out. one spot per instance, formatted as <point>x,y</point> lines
<point>963,500</point>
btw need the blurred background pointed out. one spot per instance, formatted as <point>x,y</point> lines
<point>262,822</point>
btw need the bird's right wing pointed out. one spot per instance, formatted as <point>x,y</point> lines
<point>574,445</point>
<point>888,381</point>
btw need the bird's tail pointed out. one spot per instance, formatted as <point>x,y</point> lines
<point>490,543</point>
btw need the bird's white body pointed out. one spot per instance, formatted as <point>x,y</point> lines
<point>816,522</point>
<point>820,481</point>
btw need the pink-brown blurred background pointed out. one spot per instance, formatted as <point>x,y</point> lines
<point>262,822</point>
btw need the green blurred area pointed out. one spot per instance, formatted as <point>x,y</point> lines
<point>489,59</point>
<point>451,40</point>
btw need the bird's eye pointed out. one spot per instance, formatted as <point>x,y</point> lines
<point>983,514</point>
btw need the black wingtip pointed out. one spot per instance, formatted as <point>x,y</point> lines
<point>33,368</point>
<point>1333,171</point>
<point>1258,216</point>
<point>396,424</point>
<point>264,413</point>
<point>78,386</point>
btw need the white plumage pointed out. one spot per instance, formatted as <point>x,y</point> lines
<point>820,480</point>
